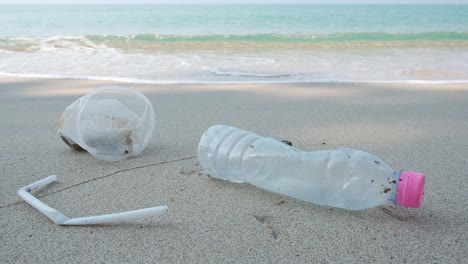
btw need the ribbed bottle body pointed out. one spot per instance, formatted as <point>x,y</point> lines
<point>345,178</point>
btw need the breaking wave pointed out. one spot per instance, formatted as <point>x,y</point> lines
<point>153,42</point>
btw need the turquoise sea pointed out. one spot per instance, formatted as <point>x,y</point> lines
<point>204,43</point>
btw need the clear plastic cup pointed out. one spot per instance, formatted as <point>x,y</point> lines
<point>112,122</point>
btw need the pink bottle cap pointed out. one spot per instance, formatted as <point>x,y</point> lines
<point>410,190</point>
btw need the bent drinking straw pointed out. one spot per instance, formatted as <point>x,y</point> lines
<point>61,219</point>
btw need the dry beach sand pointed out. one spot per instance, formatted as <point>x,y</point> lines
<point>416,127</point>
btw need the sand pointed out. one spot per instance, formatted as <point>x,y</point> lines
<point>416,127</point>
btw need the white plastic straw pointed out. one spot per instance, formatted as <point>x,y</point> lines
<point>61,219</point>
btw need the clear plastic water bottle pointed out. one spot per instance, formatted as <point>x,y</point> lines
<point>344,178</point>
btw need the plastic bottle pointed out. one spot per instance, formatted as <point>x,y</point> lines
<point>112,122</point>
<point>344,178</point>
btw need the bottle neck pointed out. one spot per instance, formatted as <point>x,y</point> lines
<point>394,191</point>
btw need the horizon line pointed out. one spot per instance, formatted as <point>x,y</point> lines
<point>225,3</point>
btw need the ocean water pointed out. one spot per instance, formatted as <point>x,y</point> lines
<point>205,43</point>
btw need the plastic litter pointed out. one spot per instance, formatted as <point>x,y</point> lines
<point>344,178</point>
<point>61,219</point>
<point>111,122</point>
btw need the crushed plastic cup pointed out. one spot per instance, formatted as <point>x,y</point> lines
<point>112,122</point>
